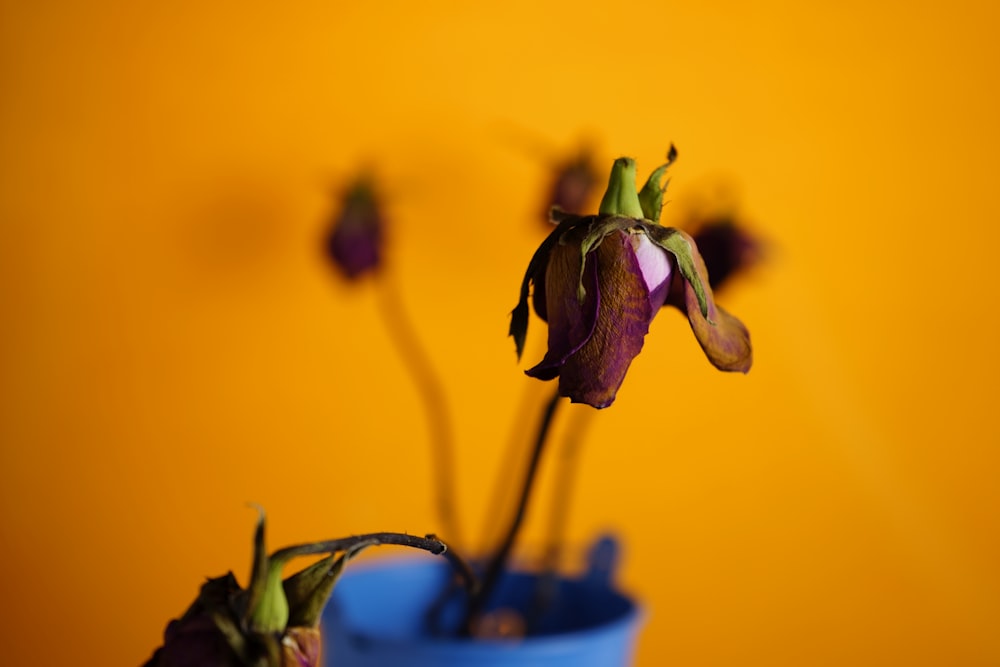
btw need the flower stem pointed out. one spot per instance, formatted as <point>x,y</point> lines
<point>431,390</point>
<point>562,497</point>
<point>516,449</point>
<point>498,563</point>
<point>429,543</point>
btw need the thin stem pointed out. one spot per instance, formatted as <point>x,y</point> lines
<point>431,390</point>
<point>496,566</point>
<point>518,442</point>
<point>430,543</point>
<point>562,498</point>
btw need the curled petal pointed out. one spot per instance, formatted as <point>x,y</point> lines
<point>723,337</point>
<point>534,275</point>
<point>571,321</point>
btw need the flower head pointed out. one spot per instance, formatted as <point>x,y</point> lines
<point>355,241</point>
<point>274,622</point>
<point>599,281</point>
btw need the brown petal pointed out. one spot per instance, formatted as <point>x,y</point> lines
<point>617,299</point>
<point>726,342</point>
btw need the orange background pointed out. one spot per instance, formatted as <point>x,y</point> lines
<point>174,346</point>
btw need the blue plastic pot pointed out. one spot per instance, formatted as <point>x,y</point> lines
<point>378,612</point>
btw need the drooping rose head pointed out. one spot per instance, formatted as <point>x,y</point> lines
<point>600,280</point>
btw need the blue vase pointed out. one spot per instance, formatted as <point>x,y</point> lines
<point>378,613</point>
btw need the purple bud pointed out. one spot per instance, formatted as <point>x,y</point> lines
<point>355,241</point>
<point>727,249</point>
<point>573,186</point>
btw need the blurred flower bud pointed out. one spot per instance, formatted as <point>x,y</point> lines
<point>574,184</point>
<point>727,248</point>
<point>273,622</point>
<point>354,243</point>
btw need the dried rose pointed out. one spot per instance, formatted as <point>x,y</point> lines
<point>273,622</point>
<point>599,281</point>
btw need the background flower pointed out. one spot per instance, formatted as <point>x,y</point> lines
<point>354,241</point>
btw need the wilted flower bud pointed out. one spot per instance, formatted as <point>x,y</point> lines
<point>355,240</point>
<point>273,622</point>
<point>600,280</point>
<point>727,248</point>
<point>573,185</point>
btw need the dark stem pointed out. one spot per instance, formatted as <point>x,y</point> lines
<point>431,391</point>
<point>429,543</point>
<point>562,498</point>
<point>518,442</point>
<point>496,566</point>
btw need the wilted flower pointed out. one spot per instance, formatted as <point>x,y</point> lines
<point>575,180</point>
<point>600,280</point>
<point>355,241</point>
<point>274,622</point>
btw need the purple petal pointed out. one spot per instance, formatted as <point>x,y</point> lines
<point>592,345</point>
<point>300,647</point>
<point>570,323</point>
<point>657,267</point>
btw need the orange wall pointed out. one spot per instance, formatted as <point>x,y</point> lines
<point>173,345</point>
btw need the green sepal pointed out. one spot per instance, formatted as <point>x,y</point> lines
<point>304,587</point>
<point>621,197</point>
<point>651,195</point>
<point>267,607</point>
<point>259,569</point>
<point>270,615</point>
<point>674,242</point>
<point>598,229</point>
<point>309,590</point>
